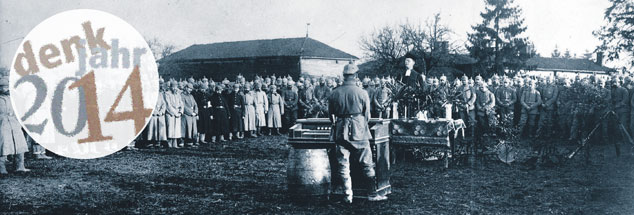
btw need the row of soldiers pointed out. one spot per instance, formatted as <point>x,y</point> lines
<point>540,106</point>
<point>191,112</point>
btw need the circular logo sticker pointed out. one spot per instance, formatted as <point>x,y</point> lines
<point>83,83</point>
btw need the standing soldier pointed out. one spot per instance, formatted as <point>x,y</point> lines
<point>235,101</point>
<point>290,106</point>
<point>565,107</point>
<point>261,107</point>
<point>485,109</point>
<point>12,140</point>
<point>549,92</point>
<point>249,110</point>
<point>467,105</point>
<point>190,116</point>
<point>506,98</point>
<point>155,130</point>
<point>519,87</point>
<point>349,108</point>
<point>531,100</point>
<point>219,115</point>
<point>202,99</point>
<point>174,110</point>
<point>276,109</point>
<point>321,97</point>
<point>620,102</point>
<point>381,100</point>
<point>305,94</point>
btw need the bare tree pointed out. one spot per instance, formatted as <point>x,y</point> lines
<point>384,46</point>
<point>160,49</point>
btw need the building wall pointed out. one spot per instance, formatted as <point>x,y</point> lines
<point>322,67</point>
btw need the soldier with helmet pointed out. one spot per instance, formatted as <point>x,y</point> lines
<point>349,108</point>
<point>190,116</point>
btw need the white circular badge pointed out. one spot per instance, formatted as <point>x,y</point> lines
<point>83,83</point>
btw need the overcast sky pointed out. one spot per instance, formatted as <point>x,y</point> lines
<point>565,23</point>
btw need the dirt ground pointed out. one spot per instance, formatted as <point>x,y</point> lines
<point>249,177</point>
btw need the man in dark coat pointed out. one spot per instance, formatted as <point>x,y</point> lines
<point>219,115</point>
<point>235,101</point>
<point>290,106</point>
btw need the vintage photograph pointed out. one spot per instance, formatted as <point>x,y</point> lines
<point>326,107</point>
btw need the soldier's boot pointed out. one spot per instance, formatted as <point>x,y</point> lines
<point>3,168</point>
<point>19,163</point>
<point>201,139</point>
<point>222,138</point>
<point>277,131</point>
<point>42,157</point>
<point>213,139</point>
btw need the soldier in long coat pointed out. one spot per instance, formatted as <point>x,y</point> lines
<point>201,97</point>
<point>12,140</point>
<point>249,110</point>
<point>235,100</point>
<point>276,109</point>
<point>381,100</point>
<point>190,117</point>
<point>174,112</point>
<point>219,114</point>
<point>261,108</point>
<point>155,131</point>
<point>549,92</point>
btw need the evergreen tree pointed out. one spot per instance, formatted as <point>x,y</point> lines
<point>556,52</point>
<point>617,35</point>
<point>497,43</point>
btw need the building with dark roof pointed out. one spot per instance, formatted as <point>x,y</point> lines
<point>281,57</point>
<point>544,66</point>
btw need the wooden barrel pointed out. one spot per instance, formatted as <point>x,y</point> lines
<point>308,174</point>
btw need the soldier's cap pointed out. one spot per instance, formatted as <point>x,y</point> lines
<point>190,86</point>
<point>291,82</point>
<point>190,80</point>
<point>173,83</point>
<point>350,69</point>
<point>161,80</point>
<point>205,79</point>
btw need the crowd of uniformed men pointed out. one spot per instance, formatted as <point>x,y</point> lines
<point>192,112</point>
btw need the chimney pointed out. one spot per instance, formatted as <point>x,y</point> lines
<point>599,58</point>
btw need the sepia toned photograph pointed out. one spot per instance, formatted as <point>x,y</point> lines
<point>317,107</point>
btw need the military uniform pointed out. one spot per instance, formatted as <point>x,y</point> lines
<point>549,93</point>
<point>619,98</point>
<point>155,129</point>
<point>350,106</point>
<point>190,116</point>
<point>235,101</point>
<point>505,99</point>
<point>12,140</point>
<point>467,106</point>
<point>381,102</point>
<point>290,107</point>
<point>531,100</point>
<point>276,110</point>
<point>485,110</point>
<point>174,110</point>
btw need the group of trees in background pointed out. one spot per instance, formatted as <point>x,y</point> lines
<point>497,43</point>
<point>430,43</point>
<point>617,35</point>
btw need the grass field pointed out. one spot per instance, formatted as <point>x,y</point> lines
<point>248,177</point>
